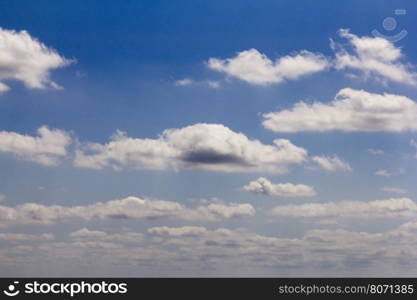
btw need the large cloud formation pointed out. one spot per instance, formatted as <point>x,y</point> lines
<point>212,147</point>
<point>256,68</point>
<point>126,208</point>
<point>46,149</point>
<point>25,59</point>
<point>351,110</point>
<point>373,56</point>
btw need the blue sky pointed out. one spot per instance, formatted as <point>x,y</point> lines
<point>223,192</point>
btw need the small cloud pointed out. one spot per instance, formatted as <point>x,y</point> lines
<point>376,151</point>
<point>184,82</point>
<point>332,164</point>
<point>394,190</point>
<point>383,173</point>
<point>2,197</point>
<point>213,84</point>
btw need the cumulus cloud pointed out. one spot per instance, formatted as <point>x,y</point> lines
<point>393,207</point>
<point>256,68</point>
<point>264,186</point>
<point>126,208</point>
<point>373,56</point>
<point>331,164</point>
<point>168,252</point>
<point>351,110</point>
<point>212,147</point>
<point>26,59</point>
<point>46,149</point>
<point>394,190</point>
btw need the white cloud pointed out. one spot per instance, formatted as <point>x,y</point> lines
<point>331,164</point>
<point>373,56</point>
<point>127,237</point>
<point>376,151</point>
<point>46,149</point>
<point>393,207</point>
<point>126,208</point>
<point>394,190</point>
<point>23,237</point>
<point>178,231</point>
<point>264,186</point>
<point>212,147</point>
<point>256,68</point>
<point>25,59</point>
<point>184,82</point>
<point>351,110</point>
<point>385,173</point>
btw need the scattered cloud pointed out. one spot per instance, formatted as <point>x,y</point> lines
<point>351,110</point>
<point>126,237</point>
<point>26,59</point>
<point>126,208</point>
<point>373,56</point>
<point>264,186</point>
<point>393,207</point>
<point>394,190</point>
<point>175,251</point>
<point>46,149</point>
<point>383,173</point>
<point>184,82</point>
<point>23,237</point>
<point>376,151</point>
<point>178,231</point>
<point>212,147</point>
<point>256,68</point>
<point>331,164</point>
<point>188,81</point>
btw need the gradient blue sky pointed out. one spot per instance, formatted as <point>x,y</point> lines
<point>128,59</point>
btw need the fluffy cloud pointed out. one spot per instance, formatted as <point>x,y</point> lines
<point>331,164</point>
<point>264,186</point>
<point>351,110</point>
<point>256,68</point>
<point>224,252</point>
<point>212,147</point>
<point>46,149</point>
<point>393,207</point>
<point>373,56</point>
<point>394,190</point>
<point>126,208</point>
<point>25,59</point>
